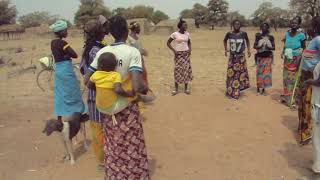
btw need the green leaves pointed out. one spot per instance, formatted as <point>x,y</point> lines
<point>90,9</point>
<point>8,12</point>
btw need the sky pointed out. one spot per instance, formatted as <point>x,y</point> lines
<point>67,8</point>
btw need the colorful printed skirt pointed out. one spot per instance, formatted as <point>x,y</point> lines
<point>67,94</point>
<point>182,68</point>
<point>98,140</point>
<point>304,95</point>
<point>264,72</point>
<point>125,149</point>
<point>290,70</point>
<point>237,76</point>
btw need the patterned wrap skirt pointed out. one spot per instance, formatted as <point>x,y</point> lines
<point>290,71</point>
<point>264,72</point>
<point>125,149</point>
<point>304,94</point>
<point>237,76</point>
<point>67,93</point>
<point>97,140</point>
<point>182,68</point>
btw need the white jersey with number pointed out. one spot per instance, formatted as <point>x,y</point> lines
<point>129,58</point>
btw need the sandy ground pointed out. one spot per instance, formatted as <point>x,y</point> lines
<point>204,136</point>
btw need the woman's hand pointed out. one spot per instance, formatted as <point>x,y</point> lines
<point>308,82</point>
<point>86,78</point>
<point>145,52</point>
<point>175,53</point>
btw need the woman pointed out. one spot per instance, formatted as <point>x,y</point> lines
<point>264,44</point>
<point>67,95</point>
<point>125,150</point>
<point>182,53</point>
<point>310,58</point>
<point>134,41</point>
<point>294,43</point>
<point>94,36</point>
<point>237,73</point>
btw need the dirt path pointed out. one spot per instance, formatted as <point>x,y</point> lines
<point>204,136</point>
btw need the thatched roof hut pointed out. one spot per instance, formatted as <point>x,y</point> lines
<point>166,27</point>
<point>9,28</point>
<point>40,30</point>
<point>169,26</point>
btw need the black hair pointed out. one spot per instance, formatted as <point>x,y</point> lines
<point>295,19</point>
<point>236,20</point>
<point>118,27</point>
<point>181,22</point>
<point>265,23</point>
<point>94,31</point>
<point>107,62</point>
<point>299,19</point>
<point>60,34</point>
<point>316,24</point>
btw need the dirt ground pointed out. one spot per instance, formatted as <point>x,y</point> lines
<point>204,136</point>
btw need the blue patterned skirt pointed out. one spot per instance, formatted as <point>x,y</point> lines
<point>67,94</point>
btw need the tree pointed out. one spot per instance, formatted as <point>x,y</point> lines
<point>124,12</point>
<point>90,9</point>
<point>218,10</point>
<point>37,18</point>
<point>231,16</point>
<point>142,11</point>
<point>263,13</point>
<point>159,16</point>
<point>199,13</point>
<point>187,13</point>
<point>275,16</point>
<point>8,12</point>
<point>280,18</point>
<point>306,8</point>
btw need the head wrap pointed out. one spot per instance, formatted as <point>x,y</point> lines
<point>102,19</point>
<point>93,27</point>
<point>59,25</point>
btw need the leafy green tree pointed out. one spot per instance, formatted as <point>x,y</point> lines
<point>306,7</point>
<point>159,16</point>
<point>8,12</point>
<point>90,9</point>
<point>275,16</point>
<point>124,12</point>
<point>218,10</point>
<point>37,18</point>
<point>231,16</point>
<point>187,13</point>
<point>141,11</point>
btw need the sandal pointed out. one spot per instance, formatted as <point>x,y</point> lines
<point>188,92</point>
<point>173,93</point>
